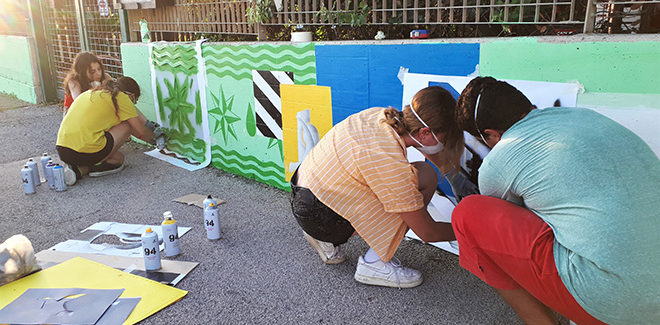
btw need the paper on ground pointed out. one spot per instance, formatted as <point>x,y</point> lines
<point>440,209</point>
<point>59,306</point>
<point>118,312</point>
<point>81,273</point>
<point>48,258</point>
<point>127,233</point>
<point>197,200</point>
<point>176,161</point>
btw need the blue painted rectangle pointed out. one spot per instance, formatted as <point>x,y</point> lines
<point>363,76</point>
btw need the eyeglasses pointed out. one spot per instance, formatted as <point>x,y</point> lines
<point>476,111</point>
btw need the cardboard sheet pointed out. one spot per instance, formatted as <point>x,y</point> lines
<point>197,200</point>
<point>171,272</point>
<point>128,234</point>
<point>81,273</point>
<point>59,306</point>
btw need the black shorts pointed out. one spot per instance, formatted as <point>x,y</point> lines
<point>317,219</point>
<point>76,158</point>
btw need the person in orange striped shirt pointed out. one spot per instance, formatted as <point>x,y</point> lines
<point>357,180</point>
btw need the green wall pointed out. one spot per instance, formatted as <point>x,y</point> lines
<point>613,73</point>
<point>16,74</point>
<point>135,61</point>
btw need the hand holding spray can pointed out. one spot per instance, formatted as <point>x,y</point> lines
<point>211,222</point>
<point>28,181</point>
<point>150,250</point>
<point>170,234</point>
<point>35,171</point>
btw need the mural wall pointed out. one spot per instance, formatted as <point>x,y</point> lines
<point>16,74</point>
<point>268,104</point>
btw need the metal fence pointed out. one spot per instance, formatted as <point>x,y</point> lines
<point>74,26</point>
<point>190,19</point>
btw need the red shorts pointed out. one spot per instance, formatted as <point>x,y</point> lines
<point>509,247</point>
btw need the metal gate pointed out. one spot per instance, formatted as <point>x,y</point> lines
<point>73,26</point>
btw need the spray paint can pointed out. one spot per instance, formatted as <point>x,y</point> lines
<point>28,181</point>
<point>211,222</point>
<point>170,234</point>
<point>58,178</point>
<point>35,171</point>
<point>49,174</point>
<point>160,142</point>
<point>44,161</point>
<point>150,250</point>
<point>209,199</point>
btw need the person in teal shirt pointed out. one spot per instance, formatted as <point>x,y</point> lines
<point>569,216</point>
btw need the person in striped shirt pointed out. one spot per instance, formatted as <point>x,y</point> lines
<point>357,180</point>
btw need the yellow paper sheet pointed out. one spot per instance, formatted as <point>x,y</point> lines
<point>82,273</point>
<point>296,98</point>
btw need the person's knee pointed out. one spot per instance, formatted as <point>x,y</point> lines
<point>467,213</point>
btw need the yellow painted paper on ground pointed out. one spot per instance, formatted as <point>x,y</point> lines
<point>82,273</point>
<point>295,99</point>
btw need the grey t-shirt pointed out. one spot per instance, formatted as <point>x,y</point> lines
<point>597,185</point>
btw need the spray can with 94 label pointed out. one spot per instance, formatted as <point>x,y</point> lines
<point>170,234</point>
<point>211,222</point>
<point>28,181</point>
<point>150,250</point>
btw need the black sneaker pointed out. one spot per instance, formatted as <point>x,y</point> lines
<point>104,169</point>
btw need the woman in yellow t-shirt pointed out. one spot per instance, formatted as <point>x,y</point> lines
<point>98,123</point>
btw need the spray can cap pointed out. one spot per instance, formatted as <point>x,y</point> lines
<point>30,159</point>
<point>211,204</point>
<point>167,215</point>
<point>209,197</point>
<point>45,154</point>
<point>148,230</point>
<point>26,166</point>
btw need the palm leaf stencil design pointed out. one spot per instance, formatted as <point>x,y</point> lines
<point>223,115</point>
<point>177,103</point>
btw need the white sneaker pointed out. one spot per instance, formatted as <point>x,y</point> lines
<point>390,274</point>
<point>70,177</point>
<point>327,251</point>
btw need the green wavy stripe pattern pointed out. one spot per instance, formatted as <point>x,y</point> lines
<point>175,58</point>
<point>189,150</point>
<point>249,166</point>
<point>238,61</point>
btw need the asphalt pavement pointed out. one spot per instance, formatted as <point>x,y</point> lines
<point>262,271</point>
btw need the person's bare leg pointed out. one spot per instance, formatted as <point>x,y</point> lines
<point>528,308</point>
<point>427,180</point>
<point>120,134</point>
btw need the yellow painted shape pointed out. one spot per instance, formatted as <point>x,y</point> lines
<point>297,98</point>
<point>83,273</point>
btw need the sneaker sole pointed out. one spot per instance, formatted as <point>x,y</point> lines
<point>385,283</point>
<point>106,172</point>
<point>319,251</point>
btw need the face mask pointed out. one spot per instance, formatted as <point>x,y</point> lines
<point>429,150</point>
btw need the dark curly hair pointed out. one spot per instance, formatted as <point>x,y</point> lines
<point>500,106</point>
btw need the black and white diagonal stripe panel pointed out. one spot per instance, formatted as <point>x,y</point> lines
<point>267,100</point>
